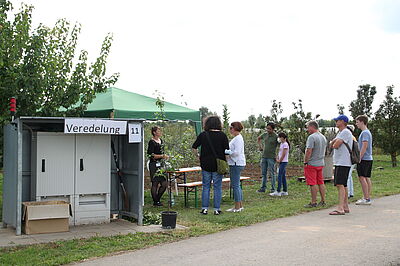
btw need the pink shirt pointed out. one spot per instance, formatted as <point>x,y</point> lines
<point>282,147</point>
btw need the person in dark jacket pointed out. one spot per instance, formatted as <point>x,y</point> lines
<point>155,151</point>
<point>219,141</point>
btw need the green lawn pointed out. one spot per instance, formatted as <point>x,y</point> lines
<point>258,208</point>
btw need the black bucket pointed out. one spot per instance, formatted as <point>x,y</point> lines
<point>168,219</point>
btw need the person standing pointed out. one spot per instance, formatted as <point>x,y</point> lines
<point>237,162</point>
<point>342,163</point>
<point>211,138</point>
<point>155,151</point>
<point>270,142</point>
<point>364,168</point>
<point>314,164</point>
<point>282,159</point>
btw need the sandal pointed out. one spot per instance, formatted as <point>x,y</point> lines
<point>336,212</point>
<point>346,211</point>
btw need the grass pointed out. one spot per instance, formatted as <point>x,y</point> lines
<point>258,208</point>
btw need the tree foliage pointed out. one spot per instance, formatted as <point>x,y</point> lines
<point>42,68</point>
<point>387,125</point>
<point>204,112</point>
<point>363,104</point>
<point>225,117</point>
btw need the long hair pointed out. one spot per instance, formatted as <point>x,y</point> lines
<point>283,135</point>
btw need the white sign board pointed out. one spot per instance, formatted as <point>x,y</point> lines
<point>94,126</point>
<point>135,132</point>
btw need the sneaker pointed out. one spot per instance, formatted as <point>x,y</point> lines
<point>310,205</point>
<point>272,190</point>
<point>157,204</point>
<point>241,209</point>
<point>217,212</point>
<point>204,211</point>
<point>275,194</point>
<point>284,193</point>
<point>321,204</point>
<point>231,210</point>
<point>261,190</point>
<point>363,202</point>
<point>237,210</point>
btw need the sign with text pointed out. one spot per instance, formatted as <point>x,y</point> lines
<point>94,126</point>
<point>135,132</point>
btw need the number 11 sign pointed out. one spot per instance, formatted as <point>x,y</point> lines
<point>135,132</point>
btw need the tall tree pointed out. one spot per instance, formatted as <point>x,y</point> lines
<point>260,122</point>
<point>42,68</point>
<point>387,125</point>
<point>251,120</point>
<point>363,104</point>
<point>225,117</point>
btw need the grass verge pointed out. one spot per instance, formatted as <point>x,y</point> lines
<point>258,208</point>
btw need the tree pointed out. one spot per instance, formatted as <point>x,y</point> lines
<point>276,115</point>
<point>340,108</point>
<point>387,125</point>
<point>296,125</point>
<point>225,117</point>
<point>260,122</point>
<point>363,104</point>
<point>251,121</point>
<point>42,68</point>
<point>204,112</point>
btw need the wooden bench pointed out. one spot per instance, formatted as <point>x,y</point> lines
<point>192,187</point>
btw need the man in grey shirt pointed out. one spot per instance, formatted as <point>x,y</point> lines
<point>314,164</point>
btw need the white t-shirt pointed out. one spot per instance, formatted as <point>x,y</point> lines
<point>236,146</point>
<point>282,147</point>
<point>341,156</point>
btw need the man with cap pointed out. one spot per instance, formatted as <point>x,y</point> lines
<point>342,162</point>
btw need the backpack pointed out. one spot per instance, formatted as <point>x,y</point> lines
<point>354,152</point>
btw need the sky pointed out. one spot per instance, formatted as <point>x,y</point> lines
<point>242,53</point>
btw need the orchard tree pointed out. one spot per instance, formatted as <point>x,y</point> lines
<point>363,104</point>
<point>340,108</point>
<point>296,125</point>
<point>387,125</point>
<point>260,122</point>
<point>42,68</point>
<point>276,115</point>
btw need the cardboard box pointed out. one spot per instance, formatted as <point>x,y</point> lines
<point>45,217</point>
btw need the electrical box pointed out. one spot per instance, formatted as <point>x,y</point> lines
<point>74,168</point>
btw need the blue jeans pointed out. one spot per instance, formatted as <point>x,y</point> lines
<point>217,183</point>
<point>268,164</point>
<point>235,171</point>
<point>282,177</point>
<point>350,181</point>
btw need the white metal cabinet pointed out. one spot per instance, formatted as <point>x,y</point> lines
<point>53,164</point>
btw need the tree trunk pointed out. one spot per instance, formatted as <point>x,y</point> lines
<point>394,159</point>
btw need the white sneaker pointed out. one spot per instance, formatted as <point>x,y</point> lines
<point>241,209</point>
<point>237,210</point>
<point>275,194</point>
<point>284,193</point>
<point>363,202</point>
<point>231,210</point>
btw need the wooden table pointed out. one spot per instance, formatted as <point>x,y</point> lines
<point>182,175</point>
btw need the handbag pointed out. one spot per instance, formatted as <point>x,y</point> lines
<point>222,165</point>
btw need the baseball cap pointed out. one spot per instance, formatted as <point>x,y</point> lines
<point>342,117</point>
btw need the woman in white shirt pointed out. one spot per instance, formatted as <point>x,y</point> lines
<point>237,162</point>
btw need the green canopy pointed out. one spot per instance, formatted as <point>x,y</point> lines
<point>125,104</point>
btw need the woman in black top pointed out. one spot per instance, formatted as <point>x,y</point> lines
<point>155,150</point>
<point>212,133</point>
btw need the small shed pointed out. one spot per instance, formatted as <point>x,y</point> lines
<point>72,159</point>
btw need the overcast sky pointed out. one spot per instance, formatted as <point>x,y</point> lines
<point>242,53</point>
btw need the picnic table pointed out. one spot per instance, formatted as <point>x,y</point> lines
<point>180,174</point>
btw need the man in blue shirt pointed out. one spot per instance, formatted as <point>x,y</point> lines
<point>364,168</point>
